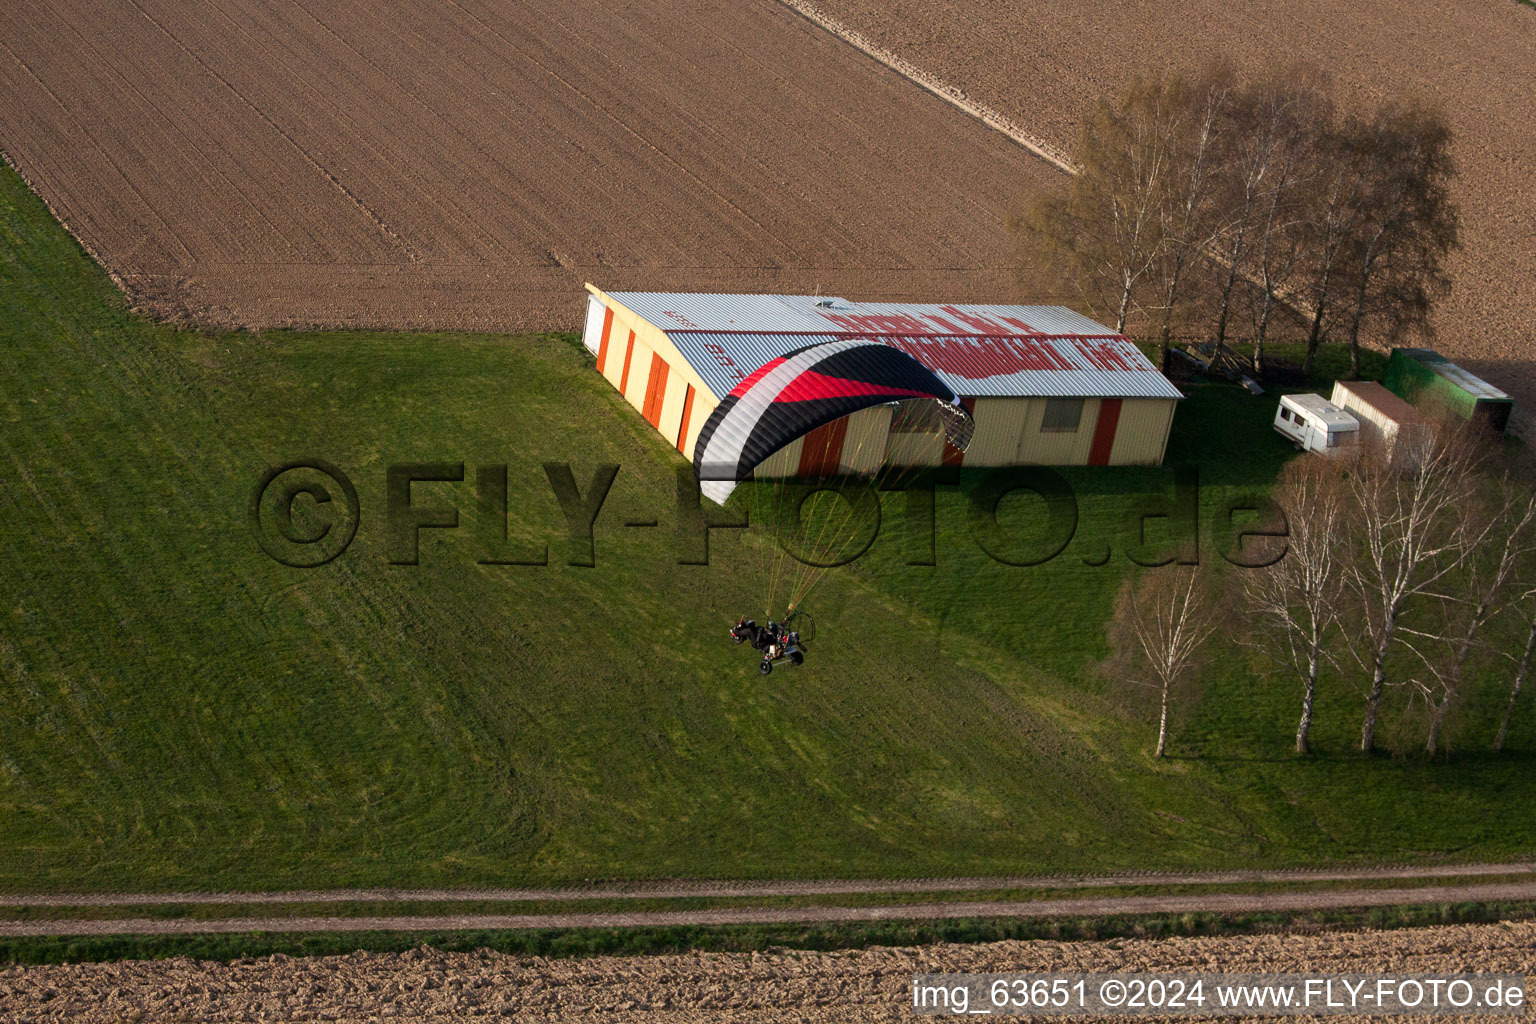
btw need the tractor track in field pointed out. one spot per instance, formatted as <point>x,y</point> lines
<point>1034,69</point>
<point>326,165</point>
<point>872,984</point>
<point>693,987</point>
<point>1455,887</point>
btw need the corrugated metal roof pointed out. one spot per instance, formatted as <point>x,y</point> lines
<point>952,319</point>
<point>974,366</point>
<point>825,314</point>
<point>1370,393</point>
<point>978,350</point>
<point>1467,381</point>
<point>703,311</point>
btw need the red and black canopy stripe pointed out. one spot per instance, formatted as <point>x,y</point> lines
<point>794,394</point>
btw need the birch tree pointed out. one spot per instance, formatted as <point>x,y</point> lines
<point>1297,601</point>
<point>1102,236</point>
<point>1196,117</point>
<point>1411,536</point>
<point>1335,203</point>
<point>1521,668</point>
<point>1162,622</point>
<point>1406,227</point>
<point>1499,545</point>
<point>1270,157</point>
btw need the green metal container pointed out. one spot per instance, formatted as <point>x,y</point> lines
<point>1427,379</point>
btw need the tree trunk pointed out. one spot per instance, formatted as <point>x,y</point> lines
<point>1162,725</point>
<point>1262,333</point>
<point>1372,705</point>
<point>1304,730</point>
<point>1443,705</point>
<point>1378,683</point>
<point>1314,339</point>
<point>1164,344</point>
<point>1354,328</point>
<point>1514,690</point>
<point>1224,313</point>
<point>1436,720</point>
<point>1125,305</point>
<point>1221,324</point>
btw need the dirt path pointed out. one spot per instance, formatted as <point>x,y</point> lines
<point>862,985</point>
<point>1092,906</point>
<point>725,889</point>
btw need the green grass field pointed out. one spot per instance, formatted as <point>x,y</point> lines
<point>181,711</point>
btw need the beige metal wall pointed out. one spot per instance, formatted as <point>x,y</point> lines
<point>784,462</point>
<point>864,441</point>
<point>1008,434</point>
<point>1141,438</point>
<point>999,425</point>
<point>1065,448</point>
<point>915,449</point>
<point>618,338</point>
<point>863,449</point>
<point>703,405</point>
<point>672,405</point>
<point>639,373</point>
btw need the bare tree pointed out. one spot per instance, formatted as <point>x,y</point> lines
<point>1407,225</point>
<point>1195,193</point>
<point>1195,115</point>
<point>1247,166</point>
<point>1521,668</point>
<point>1500,543</point>
<point>1297,601</point>
<point>1280,248</point>
<point>1411,536</point>
<point>1102,237</point>
<point>1269,156</point>
<point>1161,624</point>
<point>1336,200</point>
<point>1140,214</point>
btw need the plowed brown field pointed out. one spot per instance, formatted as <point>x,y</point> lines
<point>868,985</point>
<point>468,164</point>
<point>1040,64</point>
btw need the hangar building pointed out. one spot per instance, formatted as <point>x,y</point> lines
<point>1045,385</point>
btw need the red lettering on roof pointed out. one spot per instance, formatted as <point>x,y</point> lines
<point>879,323</point>
<point>724,360</point>
<point>979,358</point>
<point>845,322</point>
<point>1109,354</point>
<point>975,321</point>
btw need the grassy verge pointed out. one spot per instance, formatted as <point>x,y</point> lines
<point>749,938</point>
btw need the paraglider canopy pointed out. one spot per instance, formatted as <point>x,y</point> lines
<point>804,389</point>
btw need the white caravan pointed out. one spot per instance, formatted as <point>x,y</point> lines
<point>1314,424</point>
